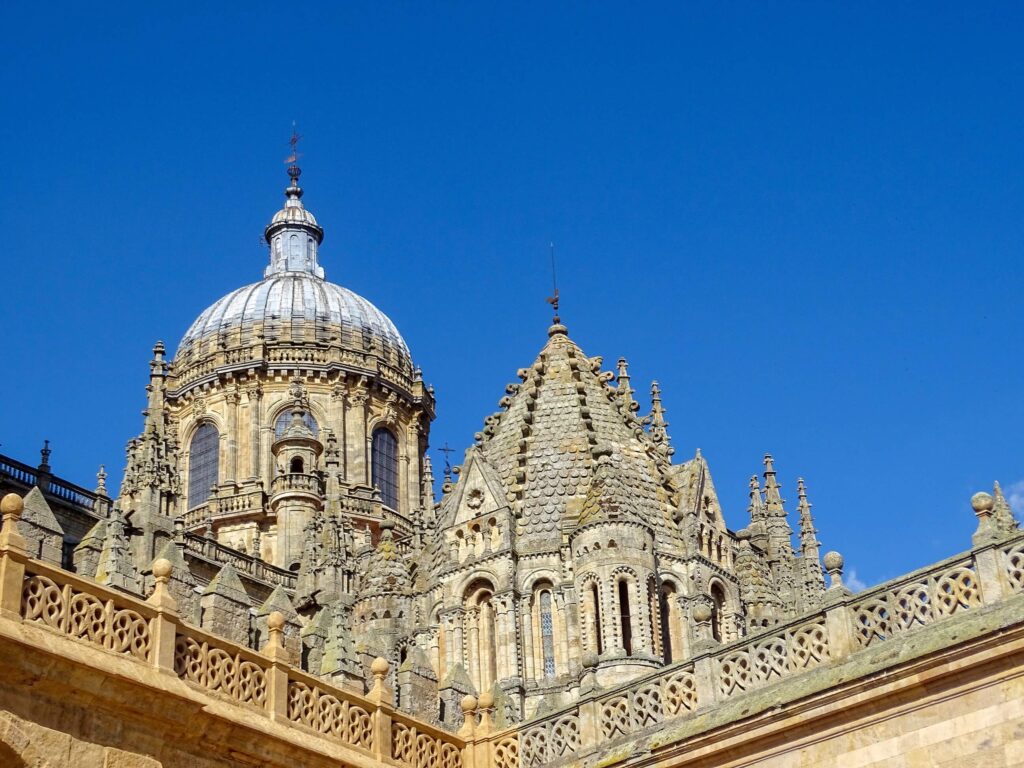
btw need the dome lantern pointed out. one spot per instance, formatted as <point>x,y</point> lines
<point>293,234</point>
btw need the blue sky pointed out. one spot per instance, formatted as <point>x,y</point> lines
<point>804,219</point>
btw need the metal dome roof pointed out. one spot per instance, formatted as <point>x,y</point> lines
<point>294,289</point>
<point>294,296</point>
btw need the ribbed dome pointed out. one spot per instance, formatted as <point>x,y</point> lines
<point>293,302</point>
<point>285,297</point>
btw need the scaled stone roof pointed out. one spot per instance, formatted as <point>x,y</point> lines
<point>544,445</point>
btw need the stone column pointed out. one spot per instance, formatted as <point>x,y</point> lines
<point>232,399</point>
<point>472,621</point>
<point>529,668</point>
<point>561,627</point>
<point>255,395</point>
<point>358,464</point>
<point>458,646</point>
<point>266,460</point>
<point>642,619</point>
<point>336,420</point>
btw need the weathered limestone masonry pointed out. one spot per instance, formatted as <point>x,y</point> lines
<point>927,670</point>
<point>275,583</point>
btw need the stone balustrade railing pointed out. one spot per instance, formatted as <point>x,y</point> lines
<point>213,550</point>
<point>150,632</point>
<point>294,481</point>
<point>847,624</point>
<point>199,361</point>
<point>23,474</point>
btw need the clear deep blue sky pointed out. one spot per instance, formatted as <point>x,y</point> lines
<point>805,220</point>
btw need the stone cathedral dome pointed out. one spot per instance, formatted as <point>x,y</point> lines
<point>292,308</point>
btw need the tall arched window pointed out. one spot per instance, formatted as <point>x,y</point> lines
<point>547,634</point>
<point>595,617</point>
<point>667,611</point>
<point>480,632</point>
<point>717,606</point>
<point>625,620</point>
<point>385,466</point>
<point>285,418</point>
<point>203,458</point>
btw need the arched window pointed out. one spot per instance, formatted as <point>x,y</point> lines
<point>385,466</point>
<point>296,467</point>
<point>547,634</point>
<point>717,606</point>
<point>203,458</point>
<point>285,418</point>
<point>667,606</point>
<point>625,620</point>
<point>595,616</point>
<point>479,629</point>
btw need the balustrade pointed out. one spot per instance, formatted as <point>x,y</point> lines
<point>880,614</point>
<point>150,632</point>
<point>297,482</point>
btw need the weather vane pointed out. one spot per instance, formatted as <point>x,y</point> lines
<point>447,464</point>
<point>553,298</point>
<point>293,157</point>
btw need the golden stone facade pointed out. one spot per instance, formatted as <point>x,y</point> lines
<point>275,584</point>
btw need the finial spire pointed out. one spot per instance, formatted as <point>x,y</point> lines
<point>804,508</point>
<point>659,426</point>
<point>101,481</point>
<point>447,464</point>
<point>553,299</point>
<point>657,410</point>
<point>810,547</point>
<point>293,164</point>
<point>625,391</point>
<point>756,508</point>
<point>293,234</point>
<point>1002,514</point>
<point>772,497</point>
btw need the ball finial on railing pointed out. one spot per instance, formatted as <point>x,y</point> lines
<point>275,621</point>
<point>162,569</point>
<point>982,502</point>
<point>833,562</point>
<point>12,506</point>
<point>379,666</point>
<point>486,700</point>
<point>468,703</point>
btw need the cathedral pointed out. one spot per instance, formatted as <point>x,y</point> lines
<point>280,495</point>
<point>292,427</point>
